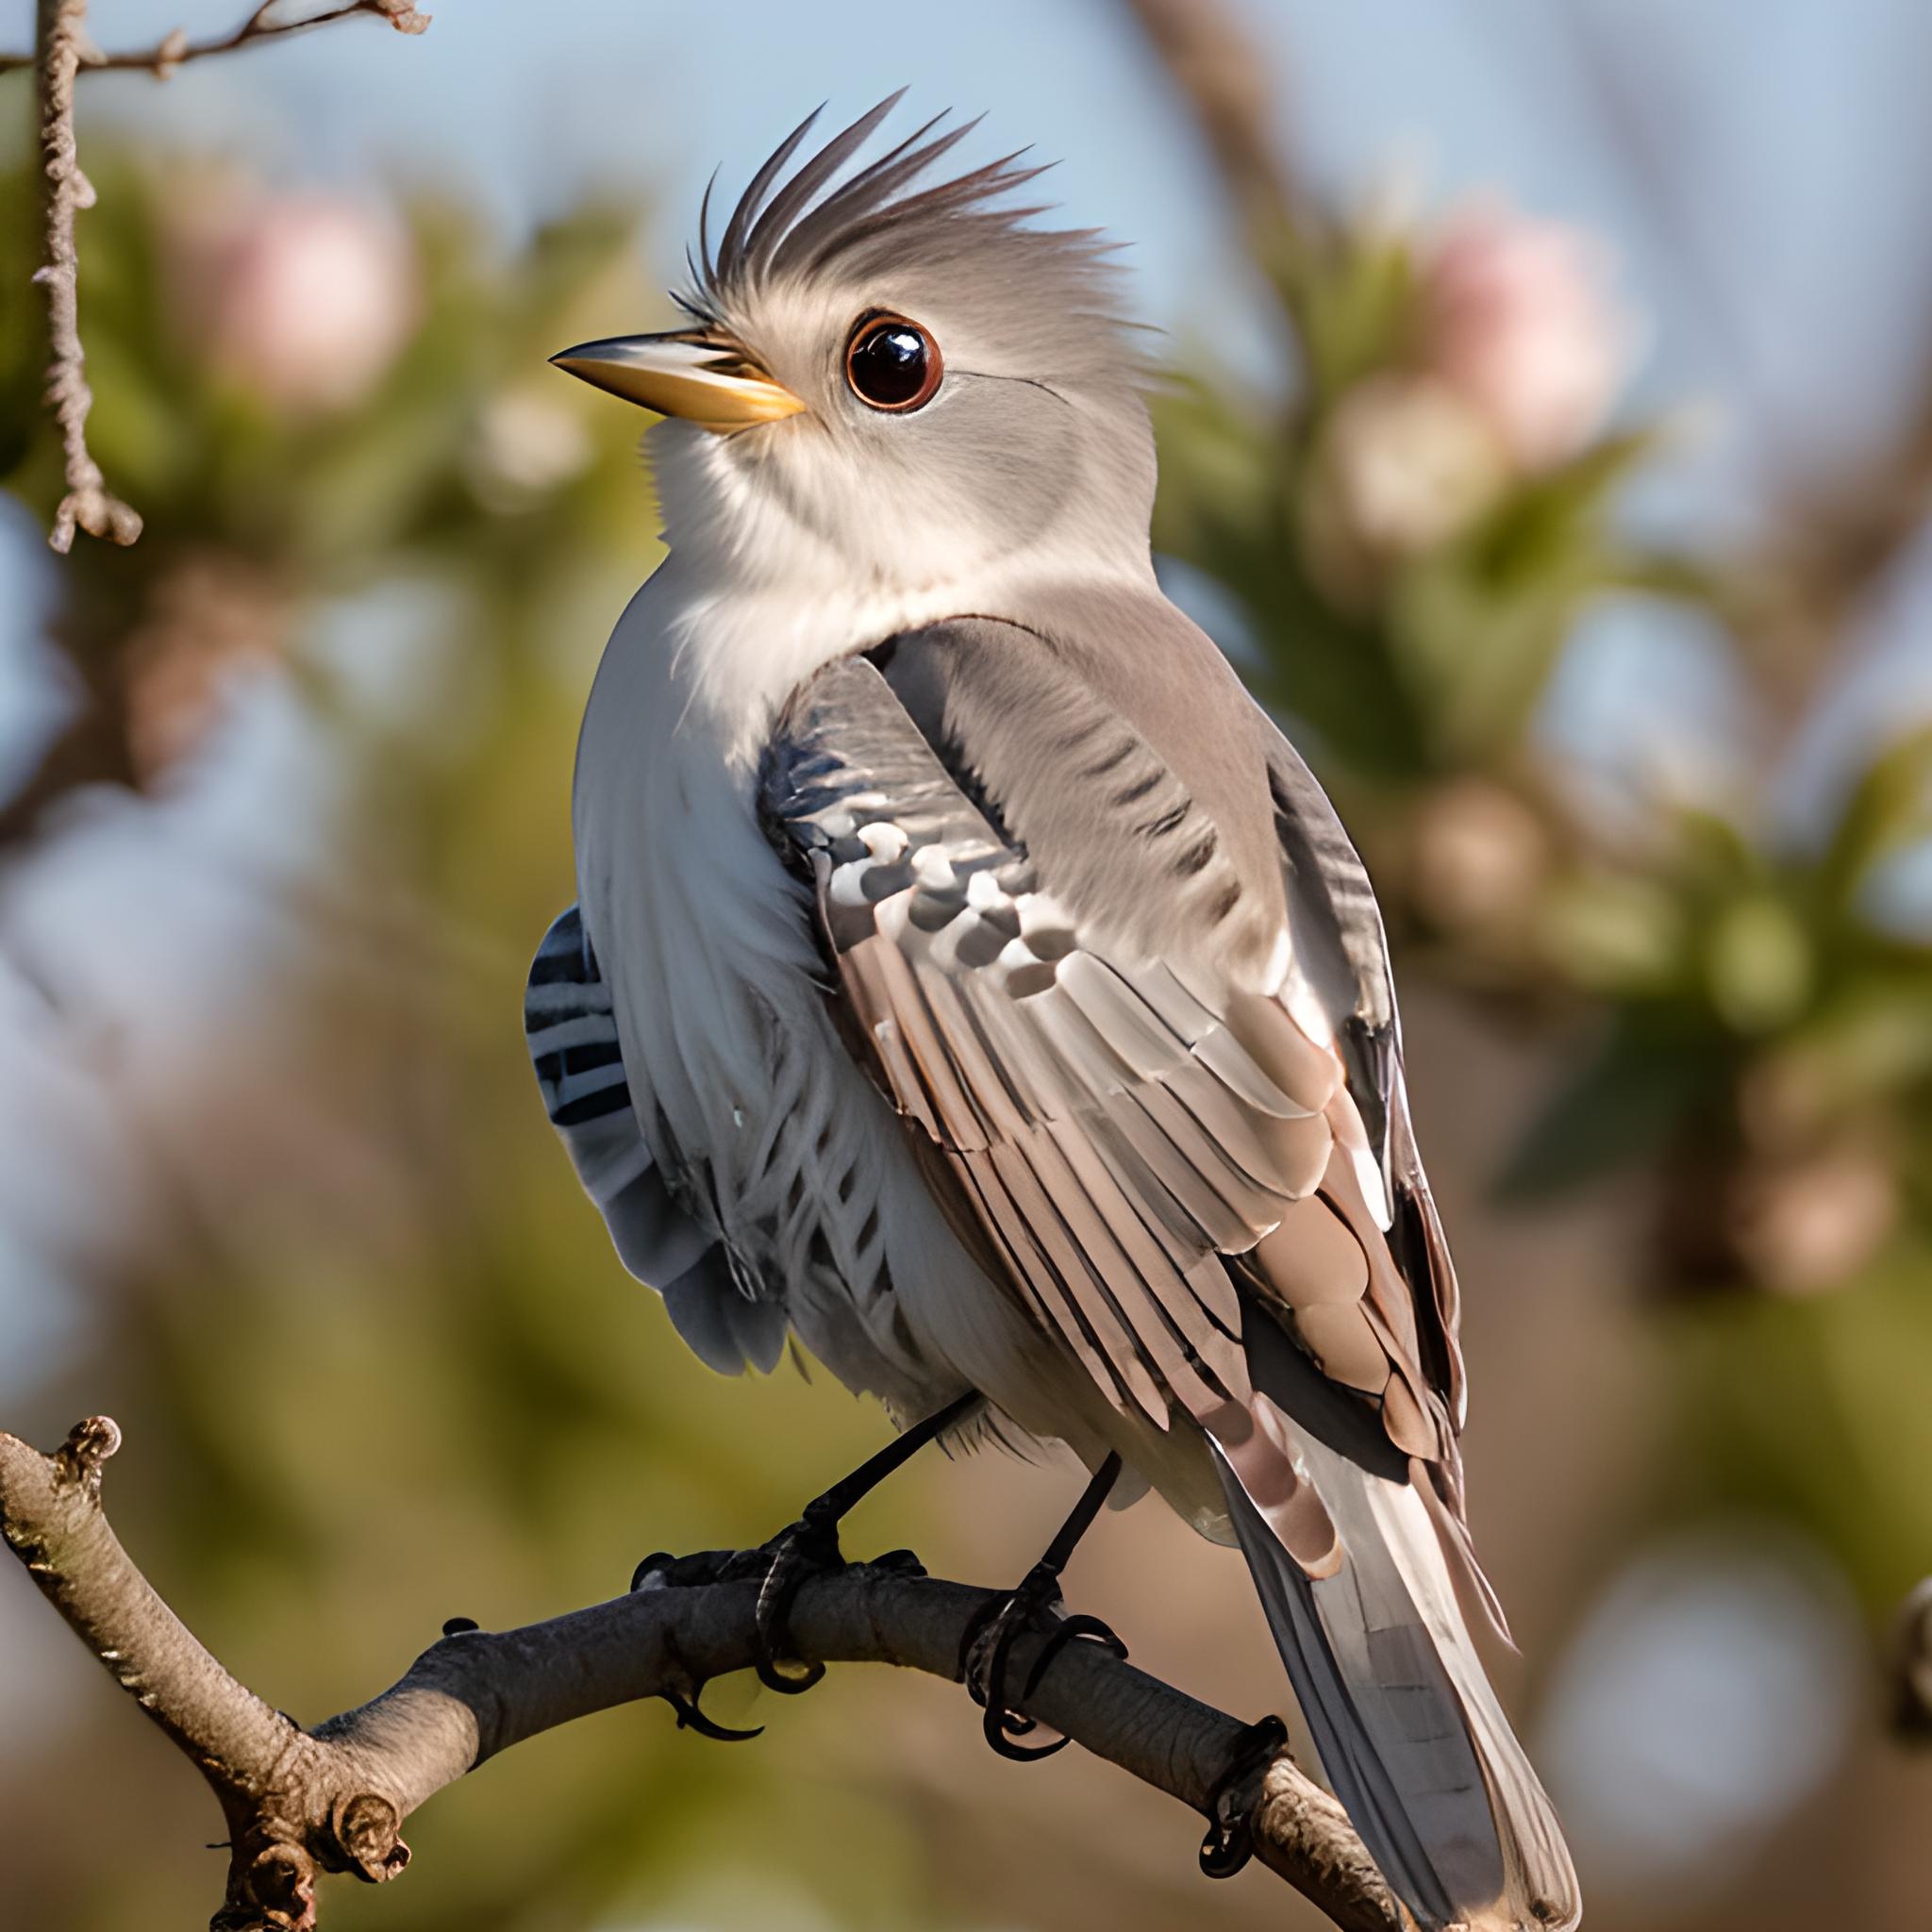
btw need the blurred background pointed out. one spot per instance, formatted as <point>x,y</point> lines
<point>1551,445</point>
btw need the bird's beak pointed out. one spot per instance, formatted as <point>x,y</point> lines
<point>688,373</point>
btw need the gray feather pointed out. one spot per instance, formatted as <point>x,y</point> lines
<point>963,234</point>
<point>1409,1732</point>
<point>572,1033</point>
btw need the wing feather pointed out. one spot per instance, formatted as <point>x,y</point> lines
<point>1143,1144</point>
<point>571,1029</point>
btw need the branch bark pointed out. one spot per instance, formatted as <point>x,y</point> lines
<point>302,1802</point>
<point>174,50</point>
<point>88,504</point>
<point>62,51</point>
<point>1221,76</point>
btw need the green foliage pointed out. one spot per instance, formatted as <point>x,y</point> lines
<point>1416,658</point>
<point>484,1414</point>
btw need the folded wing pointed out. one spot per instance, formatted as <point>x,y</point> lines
<point>1192,1161</point>
<point>572,1034</point>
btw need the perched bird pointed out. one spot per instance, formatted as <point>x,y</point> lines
<point>968,978</point>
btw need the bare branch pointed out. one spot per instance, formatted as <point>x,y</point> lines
<point>334,1798</point>
<point>176,49</point>
<point>62,51</point>
<point>64,192</point>
<point>1223,80</point>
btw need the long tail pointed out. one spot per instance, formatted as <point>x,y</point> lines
<point>1410,1734</point>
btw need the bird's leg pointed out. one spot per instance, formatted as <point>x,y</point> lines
<point>810,1547</point>
<point>1035,1606</point>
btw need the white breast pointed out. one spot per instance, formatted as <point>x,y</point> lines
<point>740,1075</point>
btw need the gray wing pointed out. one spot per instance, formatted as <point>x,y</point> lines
<point>572,1034</point>
<point>1031,922</point>
<point>1339,934</point>
<point>1048,1009</point>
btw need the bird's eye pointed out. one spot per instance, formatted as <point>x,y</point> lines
<point>893,363</point>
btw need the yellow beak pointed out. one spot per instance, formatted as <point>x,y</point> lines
<point>686,373</point>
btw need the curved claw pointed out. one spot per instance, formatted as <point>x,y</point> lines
<point>794,1683</point>
<point>1002,1723</point>
<point>809,1548</point>
<point>993,1630</point>
<point>657,1560</point>
<point>689,1718</point>
<point>1230,1840</point>
<point>1072,1630</point>
<point>1002,1727</point>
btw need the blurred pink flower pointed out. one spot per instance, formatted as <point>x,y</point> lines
<point>1481,856</point>
<point>1404,462</point>
<point>304,299</point>
<point>1517,314</point>
<point>1812,1224</point>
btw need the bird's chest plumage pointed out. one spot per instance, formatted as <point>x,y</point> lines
<point>752,1106</point>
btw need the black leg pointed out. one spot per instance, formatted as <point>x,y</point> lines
<point>810,1546</point>
<point>1034,1606</point>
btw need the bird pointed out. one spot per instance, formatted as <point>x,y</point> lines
<point>969,981</point>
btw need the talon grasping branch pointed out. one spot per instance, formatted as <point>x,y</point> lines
<point>334,1798</point>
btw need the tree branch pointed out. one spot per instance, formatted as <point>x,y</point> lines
<point>62,51</point>
<point>333,1798</point>
<point>64,192</point>
<point>176,49</point>
<point>1221,76</point>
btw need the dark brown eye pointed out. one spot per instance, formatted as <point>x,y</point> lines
<point>893,363</point>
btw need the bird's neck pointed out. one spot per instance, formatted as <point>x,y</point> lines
<point>752,600</point>
<point>736,648</point>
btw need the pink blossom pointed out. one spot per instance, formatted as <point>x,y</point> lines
<point>304,300</point>
<point>1517,314</point>
<point>1405,463</point>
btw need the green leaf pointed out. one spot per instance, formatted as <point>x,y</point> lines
<point>1616,933</point>
<point>1625,1103</point>
<point>1353,298</point>
<point>1889,808</point>
<point>1758,964</point>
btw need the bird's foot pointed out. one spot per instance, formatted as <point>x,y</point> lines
<point>807,1548</point>
<point>781,1568</point>
<point>663,1571</point>
<point>986,1655</point>
<point>1230,1840</point>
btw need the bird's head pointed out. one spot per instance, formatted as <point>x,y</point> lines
<point>903,384</point>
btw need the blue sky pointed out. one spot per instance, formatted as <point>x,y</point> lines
<point>1755,166</point>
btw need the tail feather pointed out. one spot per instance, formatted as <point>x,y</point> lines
<point>1409,1732</point>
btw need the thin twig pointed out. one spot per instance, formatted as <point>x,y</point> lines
<point>1834,541</point>
<point>64,192</point>
<point>333,1798</point>
<point>176,49</point>
<point>1220,73</point>
<point>61,52</point>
